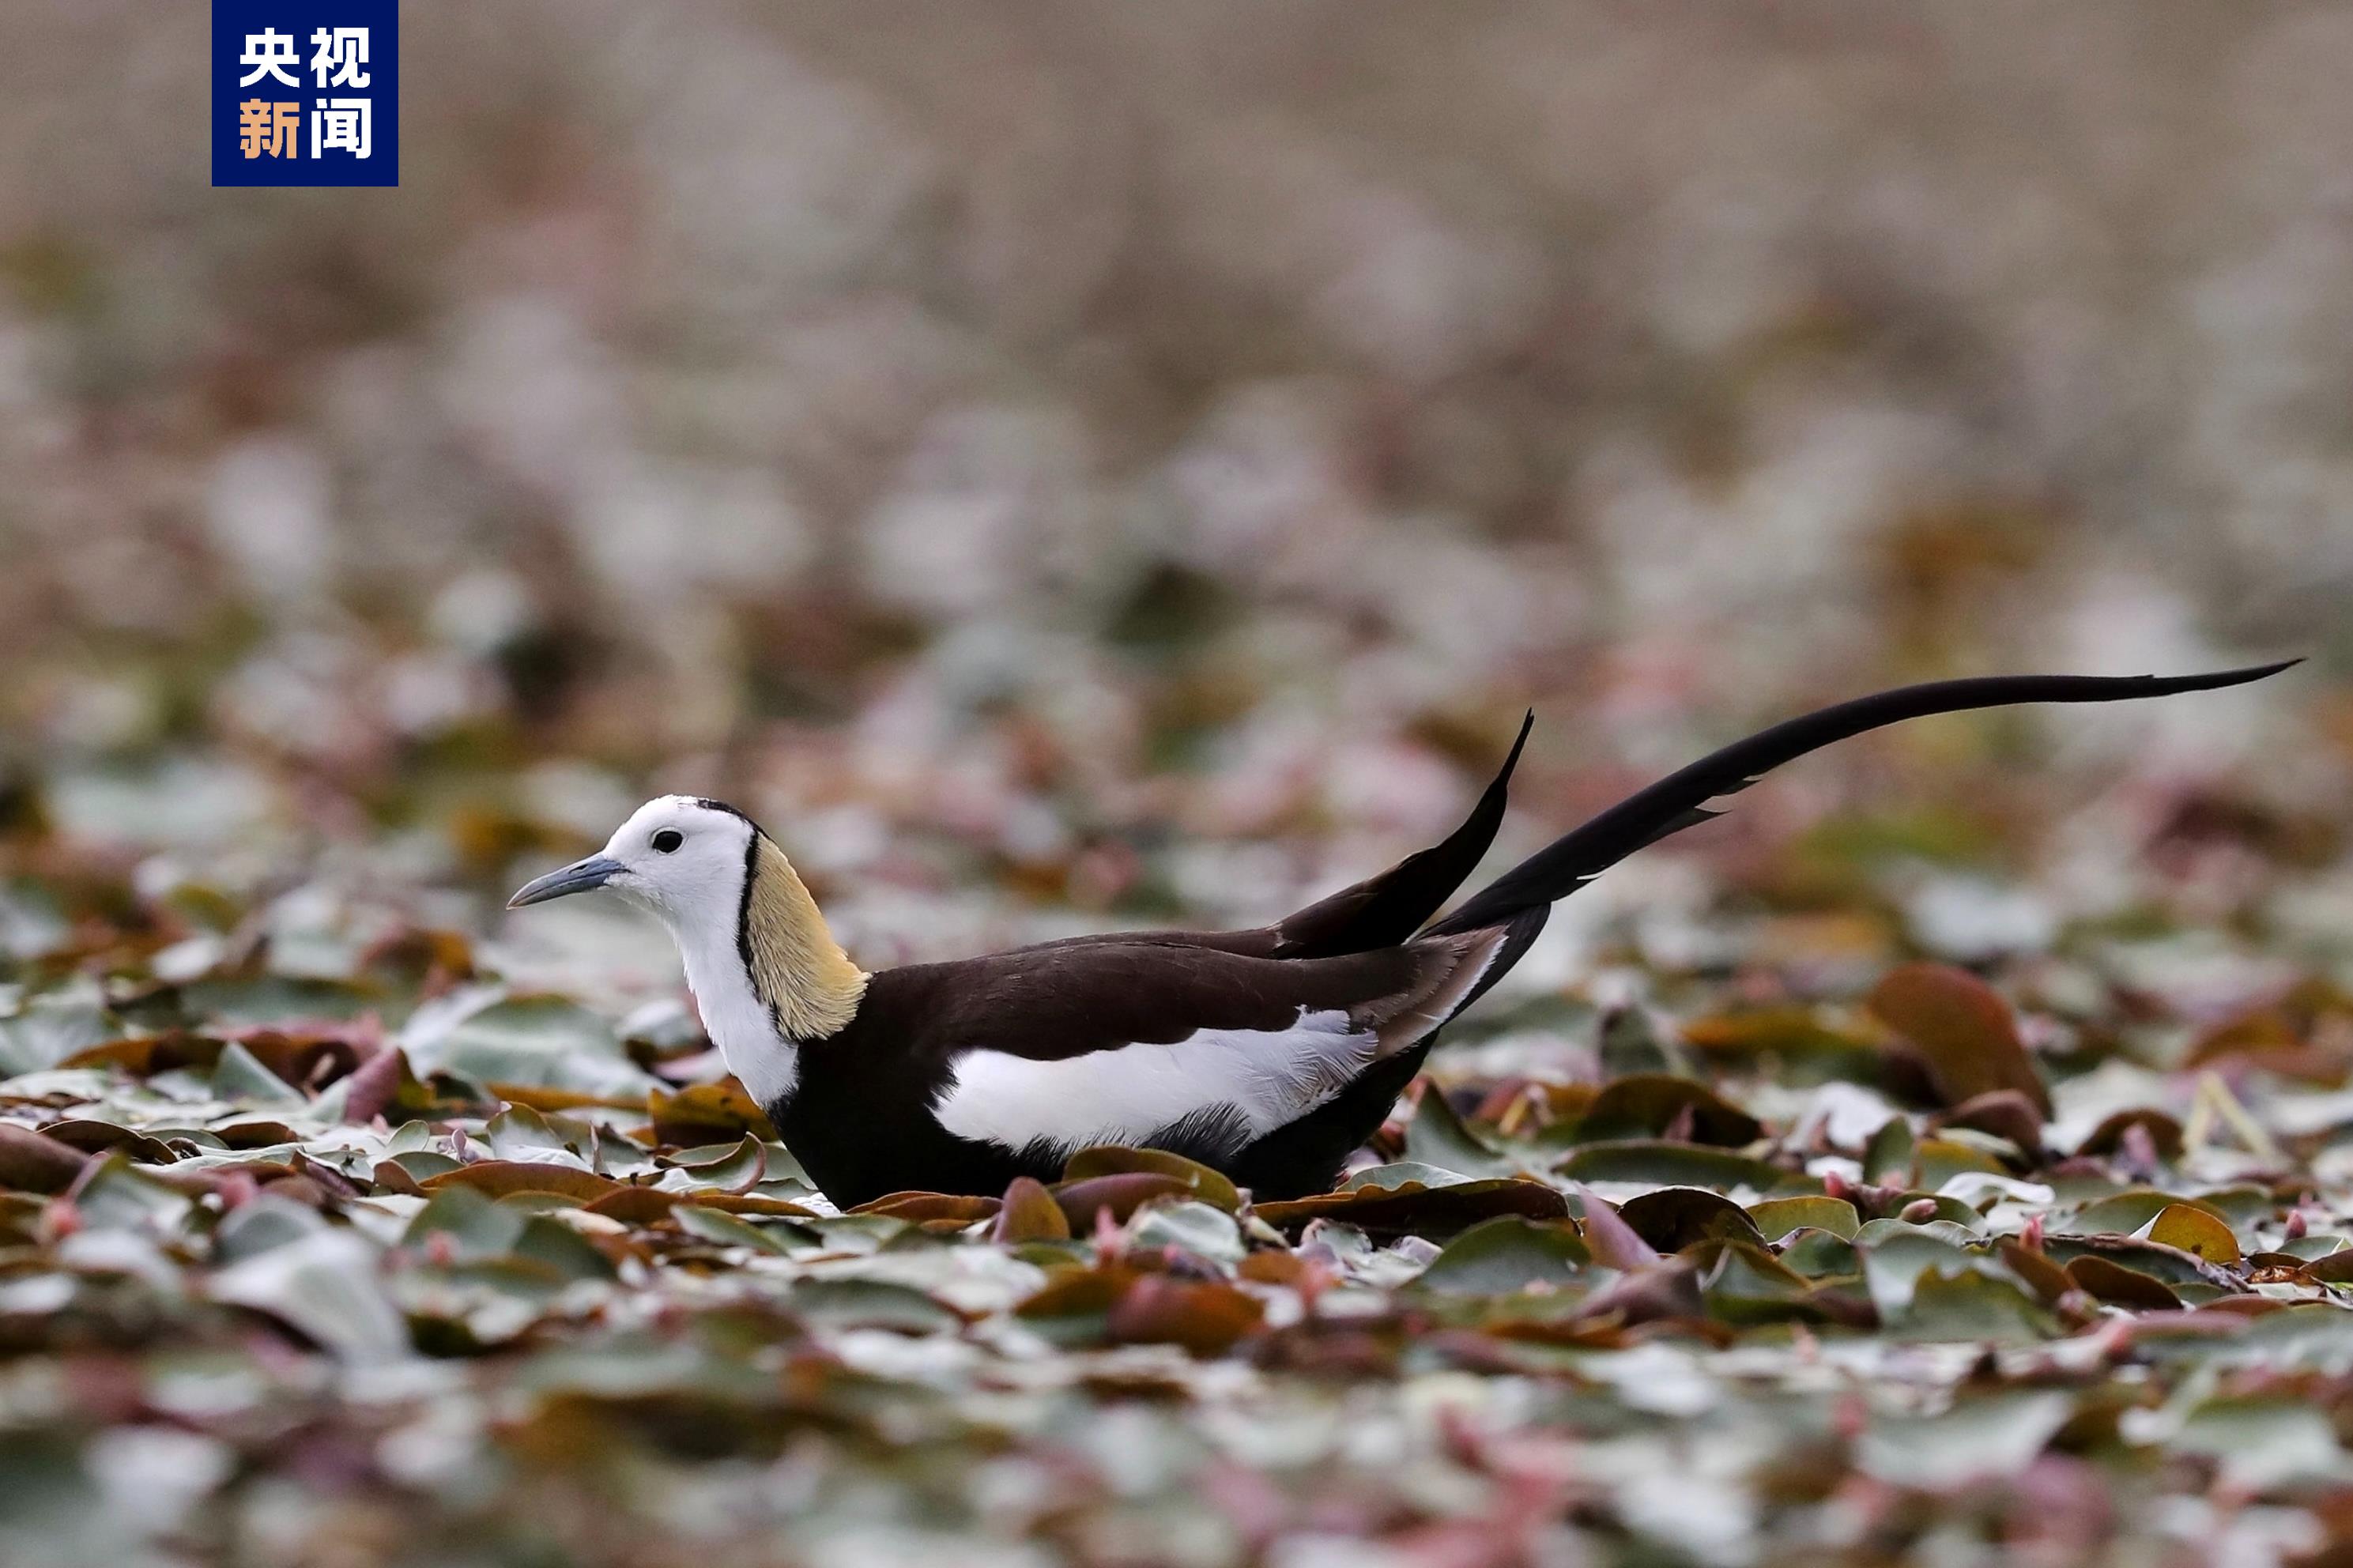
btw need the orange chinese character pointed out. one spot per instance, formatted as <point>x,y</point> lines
<point>271,130</point>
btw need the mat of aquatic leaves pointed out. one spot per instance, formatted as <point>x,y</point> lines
<point>386,1257</point>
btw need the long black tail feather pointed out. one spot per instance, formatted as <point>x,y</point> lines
<point>1679,800</point>
<point>1383,910</point>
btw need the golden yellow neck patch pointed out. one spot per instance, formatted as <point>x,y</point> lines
<point>811,987</point>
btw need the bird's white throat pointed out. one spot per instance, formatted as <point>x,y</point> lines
<point>772,979</point>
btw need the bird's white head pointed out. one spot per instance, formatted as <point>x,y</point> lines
<point>765,971</point>
<point>688,860</point>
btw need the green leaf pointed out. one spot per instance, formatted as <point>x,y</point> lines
<point>1435,1136</point>
<point>47,1029</point>
<point>325,1285</point>
<point>1507,1254</point>
<point>1667,1164</point>
<point>239,1074</point>
<point>1975,1307</point>
<point>116,1197</point>
<point>475,1225</point>
<point>1644,1105</point>
<point>533,1042</point>
<point>870,1304</point>
<point>1403,1173</point>
<point>723,1230</point>
<point>1985,1437</point>
<point>1777,1217</point>
<point>1887,1158</point>
<point>2265,1444</point>
<point>1671,1218</point>
<point>1195,1227</point>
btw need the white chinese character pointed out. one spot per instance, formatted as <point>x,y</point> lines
<point>268,52</point>
<point>341,123</point>
<point>343,51</point>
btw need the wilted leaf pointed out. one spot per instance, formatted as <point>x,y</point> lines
<point>707,1113</point>
<point>735,1170</point>
<point>2194,1231</point>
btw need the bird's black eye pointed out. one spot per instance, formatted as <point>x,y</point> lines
<point>668,840</point>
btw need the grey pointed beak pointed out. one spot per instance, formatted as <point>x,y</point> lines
<point>580,877</point>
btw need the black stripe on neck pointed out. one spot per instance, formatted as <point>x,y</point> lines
<point>743,906</point>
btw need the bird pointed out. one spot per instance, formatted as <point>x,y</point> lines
<point>1269,1054</point>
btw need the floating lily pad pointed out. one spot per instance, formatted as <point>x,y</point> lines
<point>1435,1212</point>
<point>504,1178</point>
<point>1108,1160</point>
<point>2119,1286</point>
<point>2194,1231</point>
<point>1646,1105</point>
<point>1504,1253</point>
<point>1679,1165</point>
<point>1437,1137</point>
<point>1671,1218</point>
<point>1777,1217</point>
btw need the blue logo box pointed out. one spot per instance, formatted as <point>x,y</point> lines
<point>306,92</point>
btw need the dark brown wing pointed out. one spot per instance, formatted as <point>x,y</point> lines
<point>1050,1004</point>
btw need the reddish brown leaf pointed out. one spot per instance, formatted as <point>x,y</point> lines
<point>30,1162</point>
<point>2122,1287</point>
<point>1963,1031</point>
<point>922,1206</point>
<point>502,1178</point>
<point>1205,1317</point>
<point>707,1113</point>
<point>1613,1243</point>
<point>1416,1210</point>
<point>1118,1196</point>
<point>1112,1158</point>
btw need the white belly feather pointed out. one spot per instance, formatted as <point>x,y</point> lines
<point>1267,1077</point>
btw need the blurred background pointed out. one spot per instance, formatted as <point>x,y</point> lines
<point>1066,465</point>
